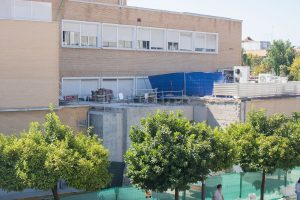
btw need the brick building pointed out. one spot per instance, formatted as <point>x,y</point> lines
<point>107,44</point>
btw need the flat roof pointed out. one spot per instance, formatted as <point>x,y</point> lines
<point>158,10</point>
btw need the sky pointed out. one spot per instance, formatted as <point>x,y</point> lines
<point>263,20</point>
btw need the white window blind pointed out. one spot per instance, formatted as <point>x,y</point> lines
<point>110,33</point>
<point>200,41</point>
<point>6,9</point>
<point>125,33</point>
<point>186,41</point>
<point>89,29</point>
<point>173,36</point>
<point>71,26</point>
<point>22,9</point>
<point>41,11</point>
<point>143,34</point>
<point>157,39</point>
<point>211,42</point>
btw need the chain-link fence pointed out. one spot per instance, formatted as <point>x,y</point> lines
<point>235,186</point>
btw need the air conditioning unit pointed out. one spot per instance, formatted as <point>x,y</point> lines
<point>265,78</point>
<point>269,78</point>
<point>241,74</point>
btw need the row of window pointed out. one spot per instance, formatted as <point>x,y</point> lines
<point>96,35</point>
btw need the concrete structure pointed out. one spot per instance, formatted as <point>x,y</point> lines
<point>224,111</point>
<point>113,123</point>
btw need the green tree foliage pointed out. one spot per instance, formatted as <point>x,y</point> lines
<point>295,70</point>
<point>52,152</point>
<point>169,152</point>
<point>267,143</point>
<point>8,159</point>
<point>213,151</point>
<point>280,56</point>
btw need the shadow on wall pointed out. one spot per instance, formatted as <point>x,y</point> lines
<point>211,120</point>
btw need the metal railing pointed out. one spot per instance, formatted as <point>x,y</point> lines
<point>243,90</point>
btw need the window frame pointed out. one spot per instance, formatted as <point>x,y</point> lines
<point>98,38</point>
<point>134,37</point>
<point>135,40</point>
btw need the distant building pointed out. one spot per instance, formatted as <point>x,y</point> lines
<point>251,45</point>
<point>258,48</point>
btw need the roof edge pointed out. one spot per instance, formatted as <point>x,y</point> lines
<point>159,10</point>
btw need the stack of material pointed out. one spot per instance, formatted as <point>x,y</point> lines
<point>102,95</point>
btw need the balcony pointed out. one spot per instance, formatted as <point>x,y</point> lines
<point>252,90</point>
<point>25,10</point>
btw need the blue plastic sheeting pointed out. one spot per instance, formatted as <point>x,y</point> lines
<point>202,84</point>
<point>192,84</point>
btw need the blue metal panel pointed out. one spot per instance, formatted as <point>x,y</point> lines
<point>194,84</point>
<point>168,82</point>
<point>201,84</point>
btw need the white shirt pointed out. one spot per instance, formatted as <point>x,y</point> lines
<point>218,195</point>
<point>298,187</point>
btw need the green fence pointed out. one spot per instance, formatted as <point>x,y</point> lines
<point>235,186</point>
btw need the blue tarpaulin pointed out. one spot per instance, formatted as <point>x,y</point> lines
<point>192,84</point>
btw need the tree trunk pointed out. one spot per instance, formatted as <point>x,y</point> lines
<point>55,192</point>
<point>203,190</point>
<point>263,183</point>
<point>176,194</point>
<point>241,183</point>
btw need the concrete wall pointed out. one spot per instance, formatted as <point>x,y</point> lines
<point>285,105</point>
<point>29,75</point>
<point>222,113</point>
<point>15,122</point>
<point>114,124</point>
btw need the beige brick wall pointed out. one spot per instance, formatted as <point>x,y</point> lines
<point>98,62</point>
<point>28,64</point>
<point>15,122</point>
<point>92,62</point>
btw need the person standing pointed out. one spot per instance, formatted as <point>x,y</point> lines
<point>298,189</point>
<point>218,193</point>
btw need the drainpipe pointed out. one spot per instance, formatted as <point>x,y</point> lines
<point>58,12</point>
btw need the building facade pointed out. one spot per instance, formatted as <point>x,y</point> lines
<point>107,44</point>
<point>71,47</point>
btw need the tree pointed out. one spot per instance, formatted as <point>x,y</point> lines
<point>264,145</point>
<point>159,157</point>
<point>281,53</point>
<point>245,59</point>
<point>52,152</point>
<point>295,70</point>
<point>212,151</point>
<point>9,179</point>
<point>169,152</point>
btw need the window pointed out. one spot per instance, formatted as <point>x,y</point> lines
<point>125,37</point>
<point>110,36</point>
<point>211,43</point>
<point>200,42</point>
<point>89,35</point>
<point>143,38</point>
<point>157,39</point>
<point>71,34</point>
<point>186,40</point>
<point>22,9</point>
<point>173,40</point>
